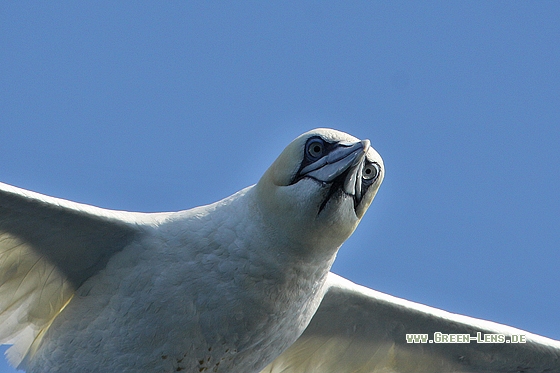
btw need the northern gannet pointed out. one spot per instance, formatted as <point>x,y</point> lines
<point>227,287</point>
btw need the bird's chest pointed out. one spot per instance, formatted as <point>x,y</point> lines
<point>239,318</point>
<point>214,311</point>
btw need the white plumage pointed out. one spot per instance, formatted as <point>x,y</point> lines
<point>228,287</point>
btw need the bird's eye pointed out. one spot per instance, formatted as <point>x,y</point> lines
<point>370,171</point>
<point>315,148</point>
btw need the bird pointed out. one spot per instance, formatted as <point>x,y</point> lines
<point>239,285</point>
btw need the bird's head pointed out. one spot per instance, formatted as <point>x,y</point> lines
<point>320,186</point>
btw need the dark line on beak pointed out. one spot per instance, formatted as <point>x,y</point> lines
<point>337,185</point>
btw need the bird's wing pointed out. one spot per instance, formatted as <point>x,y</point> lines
<point>357,329</point>
<point>48,248</point>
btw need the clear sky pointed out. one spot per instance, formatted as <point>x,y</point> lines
<point>153,106</point>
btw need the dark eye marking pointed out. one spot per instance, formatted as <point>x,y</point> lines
<point>315,148</point>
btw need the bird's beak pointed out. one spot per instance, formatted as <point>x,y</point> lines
<point>334,164</point>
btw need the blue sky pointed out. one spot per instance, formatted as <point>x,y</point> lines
<point>153,106</point>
